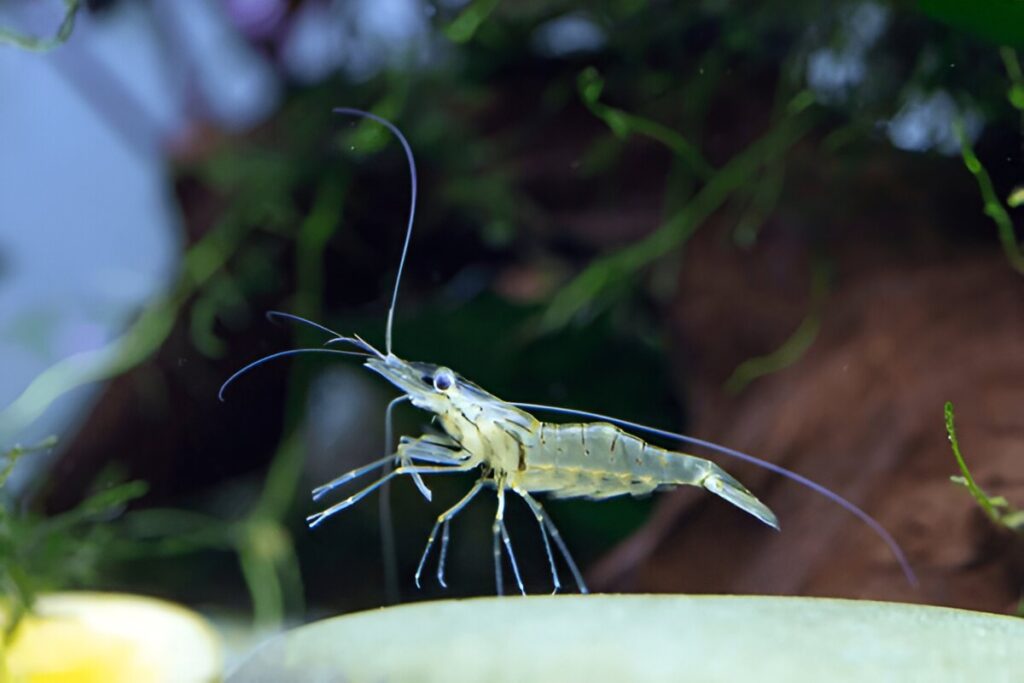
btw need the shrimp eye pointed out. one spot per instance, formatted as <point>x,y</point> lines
<point>443,380</point>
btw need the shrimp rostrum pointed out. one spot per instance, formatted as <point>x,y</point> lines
<point>516,453</point>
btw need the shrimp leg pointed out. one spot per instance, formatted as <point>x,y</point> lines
<point>545,520</point>
<point>316,519</point>
<point>443,519</point>
<point>321,491</point>
<point>423,449</point>
<point>498,530</point>
<point>538,513</point>
<point>437,449</point>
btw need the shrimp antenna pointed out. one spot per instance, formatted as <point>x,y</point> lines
<point>272,316</point>
<point>359,343</point>
<point>874,524</point>
<point>356,341</point>
<point>282,354</point>
<point>412,207</point>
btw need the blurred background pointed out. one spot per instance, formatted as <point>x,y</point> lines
<point>789,230</point>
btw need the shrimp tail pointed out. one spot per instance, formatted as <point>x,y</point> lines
<point>724,485</point>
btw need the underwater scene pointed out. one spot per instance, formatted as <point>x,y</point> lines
<point>482,340</point>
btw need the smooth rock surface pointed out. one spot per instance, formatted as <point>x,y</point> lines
<point>647,638</point>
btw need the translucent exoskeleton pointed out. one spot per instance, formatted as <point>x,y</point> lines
<point>514,452</point>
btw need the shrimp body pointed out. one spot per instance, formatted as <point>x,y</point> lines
<point>514,451</point>
<point>593,460</point>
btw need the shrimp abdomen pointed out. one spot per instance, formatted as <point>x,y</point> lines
<point>600,460</point>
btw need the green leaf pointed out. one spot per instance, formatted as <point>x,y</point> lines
<point>998,21</point>
<point>1016,97</point>
<point>464,27</point>
<point>113,497</point>
<point>1016,198</point>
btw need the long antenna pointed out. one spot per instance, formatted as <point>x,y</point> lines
<point>283,354</point>
<point>412,207</point>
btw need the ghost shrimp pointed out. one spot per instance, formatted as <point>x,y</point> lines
<point>515,452</point>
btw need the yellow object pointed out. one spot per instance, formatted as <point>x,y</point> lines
<point>1016,197</point>
<point>112,638</point>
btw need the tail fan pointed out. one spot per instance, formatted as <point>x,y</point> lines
<point>723,484</point>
